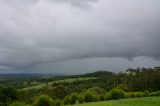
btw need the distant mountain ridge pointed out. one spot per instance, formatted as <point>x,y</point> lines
<point>27,75</point>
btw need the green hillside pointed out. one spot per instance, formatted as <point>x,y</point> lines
<point>69,80</point>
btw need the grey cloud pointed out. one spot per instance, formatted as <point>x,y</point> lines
<point>24,3</point>
<point>79,3</point>
<point>55,33</point>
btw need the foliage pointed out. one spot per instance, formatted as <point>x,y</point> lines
<point>101,97</point>
<point>59,91</point>
<point>72,98</point>
<point>89,97</point>
<point>96,90</point>
<point>157,93</point>
<point>43,100</point>
<point>123,87</point>
<point>117,94</point>
<point>8,94</point>
<point>108,96</point>
<point>130,95</point>
<point>139,94</point>
<point>96,86</point>
<point>57,103</point>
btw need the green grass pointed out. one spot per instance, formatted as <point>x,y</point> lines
<point>147,101</point>
<point>34,87</point>
<point>75,79</point>
<point>59,81</point>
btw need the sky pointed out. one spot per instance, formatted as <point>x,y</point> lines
<point>78,36</point>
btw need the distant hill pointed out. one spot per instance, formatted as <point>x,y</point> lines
<point>27,75</point>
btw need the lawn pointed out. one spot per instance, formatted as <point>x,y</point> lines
<point>147,101</point>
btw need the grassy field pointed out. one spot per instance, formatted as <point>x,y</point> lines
<point>148,101</point>
<point>59,81</point>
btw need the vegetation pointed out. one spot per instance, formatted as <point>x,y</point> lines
<point>77,89</point>
<point>117,94</point>
<point>43,100</point>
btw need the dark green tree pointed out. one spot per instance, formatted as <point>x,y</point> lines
<point>8,94</point>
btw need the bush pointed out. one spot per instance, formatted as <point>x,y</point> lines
<point>135,94</point>
<point>57,103</point>
<point>139,94</point>
<point>146,93</point>
<point>96,90</point>
<point>81,99</point>
<point>130,95</point>
<point>108,96</point>
<point>117,94</point>
<point>123,87</point>
<point>66,100</point>
<point>71,99</point>
<point>89,97</point>
<point>157,93</point>
<point>18,104</point>
<point>101,98</point>
<point>43,100</point>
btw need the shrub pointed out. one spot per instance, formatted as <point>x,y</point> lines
<point>108,96</point>
<point>81,99</point>
<point>73,98</point>
<point>89,97</point>
<point>57,103</point>
<point>117,94</point>
<point>66,100</point>
<point>96,90</point>
<point>157,93</point>
<point>153,94</point>
<point>130,95</point>
<point>123,87</point>
<point>43,100</point>
<point>139,94</point>
<point>101,97</point>
<point>146,93</point>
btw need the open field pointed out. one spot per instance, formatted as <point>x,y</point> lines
<point>147,101</point>
<point>70,80</point>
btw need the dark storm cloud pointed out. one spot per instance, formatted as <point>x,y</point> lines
<point>35,34</point>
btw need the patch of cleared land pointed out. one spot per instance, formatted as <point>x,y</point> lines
<point>59,81</point>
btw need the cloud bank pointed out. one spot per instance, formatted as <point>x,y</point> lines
<point>49,34</point>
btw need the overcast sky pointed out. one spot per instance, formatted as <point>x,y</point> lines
<point>78,36</point>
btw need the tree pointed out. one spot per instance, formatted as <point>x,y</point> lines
<point>59,91</point>
<point>117,94</point>
<point>71,99</point>
<point>43,100</point>
<point>8,94</point>
<point>96,90</point>
<point>89,97</point>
